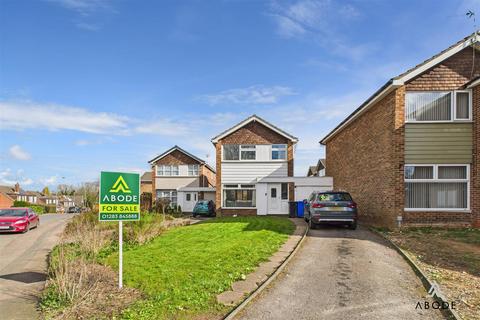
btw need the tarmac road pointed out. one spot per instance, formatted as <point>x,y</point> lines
<point>343,274</point>
<point>23,265</point>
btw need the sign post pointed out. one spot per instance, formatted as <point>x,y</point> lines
<point>119,201</point>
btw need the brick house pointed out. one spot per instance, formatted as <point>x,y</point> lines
<point>182,178</point>
<point>254,161</point>
<point>146,182</point>
<point>410,152</point>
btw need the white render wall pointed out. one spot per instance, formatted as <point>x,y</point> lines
<point>250,171</point>
<point>176,182</point>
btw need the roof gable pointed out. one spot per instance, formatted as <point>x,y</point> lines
<point>254,118</point>
<point>175,148</point>
<point>401,79</point>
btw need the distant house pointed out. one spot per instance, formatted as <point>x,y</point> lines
<point>146,182</point>
<point>5,200</point>
<point>18,194</point>
<point>317,170</point>
<point>181,178</point>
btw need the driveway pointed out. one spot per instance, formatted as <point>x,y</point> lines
<point>343,274</point>
<point>23,266</point>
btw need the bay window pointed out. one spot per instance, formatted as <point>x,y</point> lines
<point>437,106</point>
<point>437,187</point>
<point>279,151</point>
<point>167,170</point>
<point>239,195</point>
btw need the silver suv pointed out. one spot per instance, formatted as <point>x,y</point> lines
<point>331,207</point>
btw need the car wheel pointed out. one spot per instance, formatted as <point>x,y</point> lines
<point>352,226</point>
<point>194,215</point>
<point>311,224</point>
<point>27,228</point>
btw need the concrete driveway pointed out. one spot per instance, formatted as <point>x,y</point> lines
<point>23,266</point>
<point>343,274</point>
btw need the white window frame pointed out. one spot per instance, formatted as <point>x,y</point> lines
<point>241,147</point>
<point>193,170</point>
<point>239,186</point>
<point>283,148</point>
<point>435,179</point>
<point>161,170</point>
<point>453,107</point>
<point>169,197</point>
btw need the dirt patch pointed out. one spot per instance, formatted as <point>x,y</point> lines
<point>450,261</point>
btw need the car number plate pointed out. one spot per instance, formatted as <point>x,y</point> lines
<point>336,208</point>
<point>4,227</point>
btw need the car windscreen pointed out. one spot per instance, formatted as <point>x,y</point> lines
<point>334,197</point>
<point>202,203</point>
<point>12,213</point>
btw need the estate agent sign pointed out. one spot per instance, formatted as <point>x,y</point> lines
<point>119,196</point>
<point>119,201</point>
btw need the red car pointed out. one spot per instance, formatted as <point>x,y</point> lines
<point>18,219</point>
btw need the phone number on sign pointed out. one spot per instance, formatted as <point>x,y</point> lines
<point>112,216</point>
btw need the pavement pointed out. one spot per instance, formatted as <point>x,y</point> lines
<point>23,266</point>
<point>343,274</point>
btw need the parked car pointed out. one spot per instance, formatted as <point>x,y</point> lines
<point>204,208</point>
<point>331,207</point>
<point>74,210</point>
<point>18,219</point>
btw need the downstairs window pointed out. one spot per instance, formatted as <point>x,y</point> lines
<point>437,187</point>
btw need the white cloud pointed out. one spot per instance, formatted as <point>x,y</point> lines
<point>258,94</point>
<point>49,181</point>
<point>164,127</point>
<point>18,153</point>
<point>29,115</point>
<point>322,21</point>
<point>84,7</point>
<point>7,177</point>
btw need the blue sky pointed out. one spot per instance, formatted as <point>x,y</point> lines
<point>91,85</point>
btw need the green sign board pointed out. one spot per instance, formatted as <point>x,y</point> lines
<point>119,196</point>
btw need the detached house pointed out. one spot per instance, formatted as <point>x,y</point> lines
<point>254,162</point>
<point>182,178</point>
<point>411,152</point>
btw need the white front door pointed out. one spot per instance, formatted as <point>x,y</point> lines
<point>274,199</point>
<point>190,200</point>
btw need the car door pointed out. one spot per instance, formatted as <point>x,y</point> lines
<point>31,217</point>
<point>309,204</point>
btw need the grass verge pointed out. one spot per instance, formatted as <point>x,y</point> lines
<point>181,272</point>
<point>451,257</point>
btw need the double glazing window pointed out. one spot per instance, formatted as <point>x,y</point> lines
<point>279,151</point>
<point>167,170</point>
<point>170,195</point>
<point>239,195</point>
<point>239,152</point>
<point>437,106</point>
<point>193,169</point>
<point>436,187</point>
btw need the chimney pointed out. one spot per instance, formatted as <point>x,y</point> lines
<point>17,188</point>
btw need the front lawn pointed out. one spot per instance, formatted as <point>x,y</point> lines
<point>451,257</point>
<point>182,271</point>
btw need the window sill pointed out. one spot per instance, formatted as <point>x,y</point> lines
<point>437,210</point>
<point>239,208</point>
<point>252,161</point>
<point>445,121</point>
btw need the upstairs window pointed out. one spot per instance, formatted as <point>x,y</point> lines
<point>248,152</point>
<point>437,106</point>
<point>167,170</point>
<point>231,152</point>
<point>239,152</point>
<point>193,169</point>
<point>279,151</point>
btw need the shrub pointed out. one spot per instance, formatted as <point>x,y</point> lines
<point>38,209</point>
<point>18,203</point>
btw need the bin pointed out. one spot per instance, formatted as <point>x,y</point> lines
<point>300,209</point>
<point>292,209</point>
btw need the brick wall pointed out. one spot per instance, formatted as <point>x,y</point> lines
<point>5,201</point>
<point>207,177</point>
<point>145,187</point>
<point>451,74</point>
<point>362,160</point>
<point>176,158</point>
<point>242,212</point>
